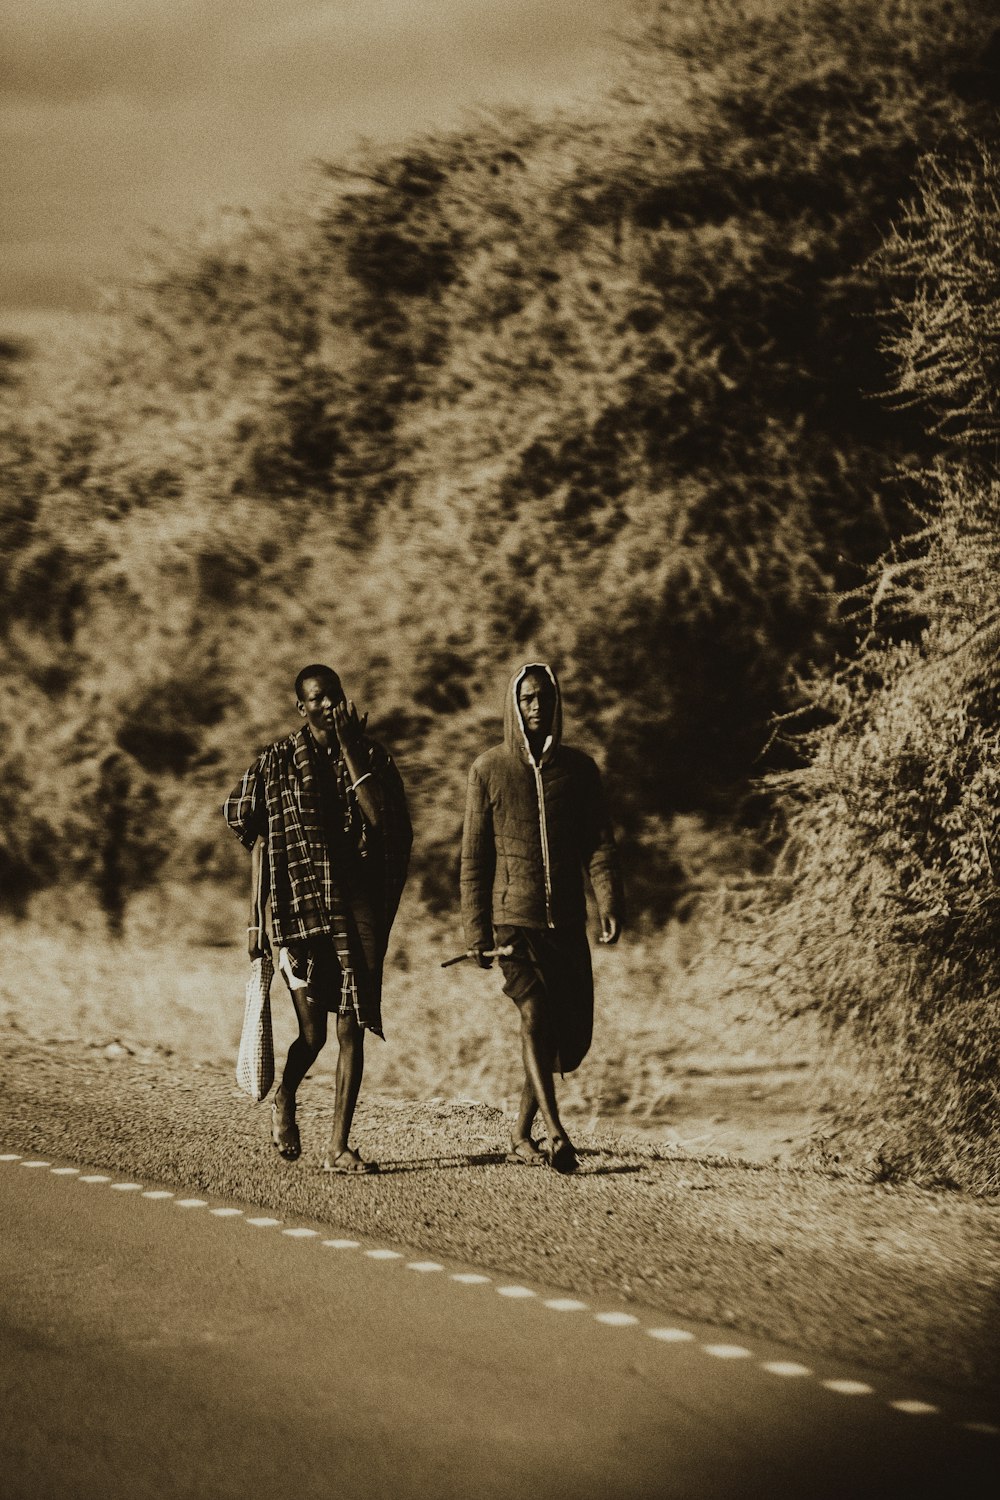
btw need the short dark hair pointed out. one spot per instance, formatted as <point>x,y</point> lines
<point>315,669</point>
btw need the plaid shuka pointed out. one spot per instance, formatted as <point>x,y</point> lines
<point>280,799</point>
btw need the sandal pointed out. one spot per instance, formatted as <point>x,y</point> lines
<point>285,1132</point>
<point>355,1166</point>
<point>524,1153</point>
<point>561,1155</point>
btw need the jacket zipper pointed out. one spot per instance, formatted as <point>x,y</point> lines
<point>545,843</point>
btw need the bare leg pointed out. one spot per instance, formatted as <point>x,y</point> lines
<point>522,1148</point>
<point>350,1070</point>
<point>526,1113</point>
<point>303,1052</point>
<point>539,1085</point>
<point>538,1053</point>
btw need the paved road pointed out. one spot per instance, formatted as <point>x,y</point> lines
<point>154,1344</point>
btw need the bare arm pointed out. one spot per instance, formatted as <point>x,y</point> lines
<point>350,730</point>
<point>260,891</point>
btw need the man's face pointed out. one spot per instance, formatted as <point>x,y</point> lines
<point>536,700</point>
<point>320,696</point>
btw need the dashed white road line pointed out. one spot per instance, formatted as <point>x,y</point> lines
<point>788,1369</point>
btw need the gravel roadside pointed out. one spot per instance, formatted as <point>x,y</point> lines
<point>888,1276</point>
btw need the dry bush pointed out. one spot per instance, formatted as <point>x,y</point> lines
<point>886,916</point>
<point>593,387</point>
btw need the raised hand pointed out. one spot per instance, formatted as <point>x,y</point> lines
<point>350,727</point>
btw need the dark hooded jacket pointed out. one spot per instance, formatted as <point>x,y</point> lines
<point>532,829</point>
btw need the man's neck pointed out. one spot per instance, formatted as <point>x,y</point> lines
<point>536,744</point>
<point>326,738</point>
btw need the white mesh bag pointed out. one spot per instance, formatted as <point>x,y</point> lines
<point>255,1064</point>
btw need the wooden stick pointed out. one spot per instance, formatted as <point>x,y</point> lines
<point>487,953</point>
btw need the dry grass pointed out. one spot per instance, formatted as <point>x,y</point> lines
<point>665,1013</point>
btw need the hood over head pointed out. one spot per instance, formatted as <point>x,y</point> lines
<point>515,735</point>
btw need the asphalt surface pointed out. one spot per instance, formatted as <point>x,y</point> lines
<point>153,1345</point>
<point>903,1281</point>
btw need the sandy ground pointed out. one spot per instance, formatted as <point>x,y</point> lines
<point>674,1061</point>
<point>759,1114</point>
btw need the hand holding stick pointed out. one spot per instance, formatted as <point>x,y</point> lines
<point>477,953</point>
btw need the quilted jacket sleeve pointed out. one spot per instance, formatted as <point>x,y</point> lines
<point>478,865</point>
<point>600,854</point>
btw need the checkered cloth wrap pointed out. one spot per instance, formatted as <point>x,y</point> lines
<point>280,799</point>
<point>325,967</point>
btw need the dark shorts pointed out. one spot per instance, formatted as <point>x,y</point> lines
<point>314,965</point>
<point>342,970</point>
<point>552,966</point>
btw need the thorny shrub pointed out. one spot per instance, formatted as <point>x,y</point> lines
<point>884,913</point>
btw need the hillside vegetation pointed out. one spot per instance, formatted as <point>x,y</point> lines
<point>886,918</point>
<point>601,387</point>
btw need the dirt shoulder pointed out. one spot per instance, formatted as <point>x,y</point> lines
<point>766,1114</point>
<point>895,1278</point>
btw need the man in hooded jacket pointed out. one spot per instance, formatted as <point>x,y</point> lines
<point>535,821</point>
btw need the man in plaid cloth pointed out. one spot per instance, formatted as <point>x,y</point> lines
<point>324,815</point>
